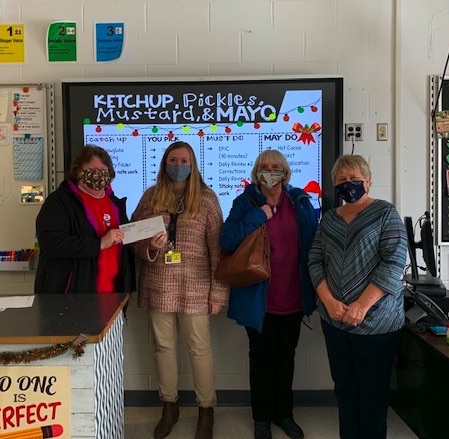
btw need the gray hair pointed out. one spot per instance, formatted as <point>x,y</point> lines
<point>273,156</point>
<point>349,161</point>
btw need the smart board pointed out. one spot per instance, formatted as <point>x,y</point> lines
<point>228,122</point>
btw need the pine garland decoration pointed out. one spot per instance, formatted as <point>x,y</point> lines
<point>36,354</point>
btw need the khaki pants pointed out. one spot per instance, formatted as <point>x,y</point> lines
<point>195,332</point>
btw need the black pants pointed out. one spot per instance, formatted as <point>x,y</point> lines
<point>272,365</point>
<point>361,367</point>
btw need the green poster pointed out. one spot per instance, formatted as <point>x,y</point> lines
<point>61,41</point>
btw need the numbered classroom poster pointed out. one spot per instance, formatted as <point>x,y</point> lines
<point>61,42</point>
<point>108,41</point>
<point>12,43</point>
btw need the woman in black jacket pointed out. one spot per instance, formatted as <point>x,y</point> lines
<point>77,228</point>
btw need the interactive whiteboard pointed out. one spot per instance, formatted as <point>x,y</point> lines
<point>227,122</point>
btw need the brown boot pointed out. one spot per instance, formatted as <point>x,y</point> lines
<point>170,416</point>
<point>205,426</point>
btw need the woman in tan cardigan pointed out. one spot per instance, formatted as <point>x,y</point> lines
<point>176,281</point>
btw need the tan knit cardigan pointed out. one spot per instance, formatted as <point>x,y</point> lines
<point>190,286</point>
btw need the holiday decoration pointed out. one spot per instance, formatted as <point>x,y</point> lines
<point>37,354</point>
<point>313,187</point>
<point>306,132</point>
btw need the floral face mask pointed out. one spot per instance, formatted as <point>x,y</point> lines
<point>95,179</point>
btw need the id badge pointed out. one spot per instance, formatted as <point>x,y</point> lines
<point>172,258</point>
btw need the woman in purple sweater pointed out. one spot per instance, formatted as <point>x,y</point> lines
<point>272,311</point>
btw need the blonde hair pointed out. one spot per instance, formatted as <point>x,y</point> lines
<point>351,162</point>
<point>272,156</point>
<point>162,196</point>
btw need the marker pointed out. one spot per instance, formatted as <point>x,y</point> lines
<point>47,432</point>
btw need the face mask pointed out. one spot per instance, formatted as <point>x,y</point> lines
<point>178,173</point>
<point>351,191</point>
<point>95,179</point>
<point>270,179</point>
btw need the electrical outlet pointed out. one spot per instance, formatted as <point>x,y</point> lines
<point>382,131</point>
<point>353,131</point>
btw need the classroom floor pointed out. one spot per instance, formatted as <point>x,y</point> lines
<point>235,423</point>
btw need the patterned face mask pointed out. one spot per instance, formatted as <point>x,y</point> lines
<point>270,178</point>
<point>351,191</point>
<point>95,179</point>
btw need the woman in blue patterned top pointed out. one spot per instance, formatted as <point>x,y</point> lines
<point>356,264</point>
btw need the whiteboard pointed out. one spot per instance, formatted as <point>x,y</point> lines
<point>26,160</point>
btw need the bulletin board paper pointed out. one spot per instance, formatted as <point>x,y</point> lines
<point>25,159</point>
<point>28,158</point>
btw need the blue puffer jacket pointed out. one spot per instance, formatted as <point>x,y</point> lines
<point>247,305</point>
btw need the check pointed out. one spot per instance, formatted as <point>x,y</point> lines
<point>142,229</point>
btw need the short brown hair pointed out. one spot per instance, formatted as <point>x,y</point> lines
<point>84,155</point>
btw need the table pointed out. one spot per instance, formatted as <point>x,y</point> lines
<point>96,378</point>
<point>420,383</point>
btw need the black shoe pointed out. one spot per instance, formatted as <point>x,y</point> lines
<point>290,427</point>
<point>170,416</point>
<point>262,430</point>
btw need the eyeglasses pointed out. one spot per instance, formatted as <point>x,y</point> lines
<point>268,168</point>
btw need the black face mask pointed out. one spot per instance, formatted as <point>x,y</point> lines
<point>351,191</point>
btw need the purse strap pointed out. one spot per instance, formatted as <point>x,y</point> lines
<point>263,226</point>
<point>252,200</point>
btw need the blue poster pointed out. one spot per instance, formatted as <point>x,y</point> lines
<point>109,41</point>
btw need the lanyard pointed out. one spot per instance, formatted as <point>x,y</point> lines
<point>172,230</point>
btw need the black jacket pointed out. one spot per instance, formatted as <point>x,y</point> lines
<point>69,246</point>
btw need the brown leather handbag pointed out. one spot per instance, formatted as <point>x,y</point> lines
<point>250,263</point>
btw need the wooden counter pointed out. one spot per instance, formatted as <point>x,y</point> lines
<point>420,382</point>
<point>95,384</point>
<point>59,318</point>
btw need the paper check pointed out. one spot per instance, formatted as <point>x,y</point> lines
<point>142,229</point>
